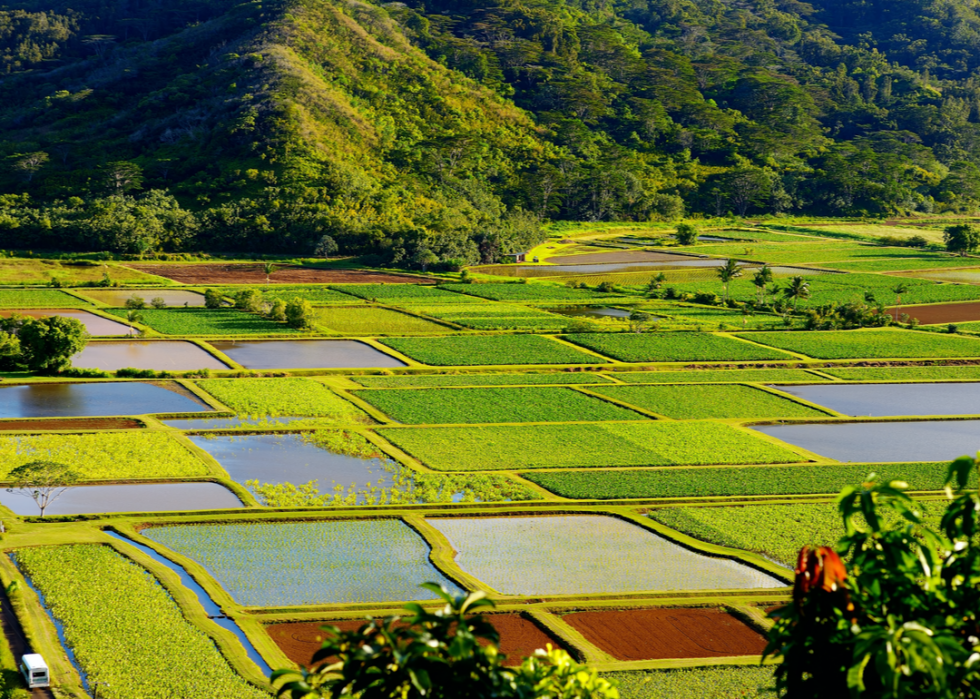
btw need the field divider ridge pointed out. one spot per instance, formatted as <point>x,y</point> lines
<point>443,555</point>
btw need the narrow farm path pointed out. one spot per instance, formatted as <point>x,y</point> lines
<point>16,641</point>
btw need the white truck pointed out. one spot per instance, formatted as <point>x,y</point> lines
<point>35,671</point>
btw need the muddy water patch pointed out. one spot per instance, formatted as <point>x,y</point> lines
<point>307,354</point>
<point>95,325</point>
<point>160,356</point>
<point>886,400</point>
<point>873,442</point>
<point>137,497</point>
<point>591,312</point>
<point>119,297</point>
<point>95,400</point>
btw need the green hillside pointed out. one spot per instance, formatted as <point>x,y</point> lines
<point>455,126</point>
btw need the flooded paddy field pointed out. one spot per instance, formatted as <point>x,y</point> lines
<point>135,497</point>
<point>307,354</point>
<point>890,400</point>
<point>159,355</point>
<point>94,324</point>
<point>97,399</point>
<point>119,297</point>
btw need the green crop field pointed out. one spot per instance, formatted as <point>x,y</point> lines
<point>283,397</point>
<point>39,298</point>
<point>702,683</point>
<point>495,316</point>
<point>568,446</point>
<point>673,347</point>
<point>711,318</point>
<point>104,455</point>
<point>720,376</point>
<point>206,321</point>
<point>697,401</point>
<point>477,350</point>
<point>445,381</point>
<point>899,264</point>
<point>126,632</point>
<point>531,293</point>
<point>403,293</point>
<point>317,295</point>
<point>443,406</point>
<point>906,373</point>
<point>70,273</point>
<point>355,320</point>
<point>870,344</point>
<point>713,482</point>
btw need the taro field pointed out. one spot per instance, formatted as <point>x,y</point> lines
<point>229,473</point>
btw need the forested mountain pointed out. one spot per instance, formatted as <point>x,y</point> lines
<point>456,126</point>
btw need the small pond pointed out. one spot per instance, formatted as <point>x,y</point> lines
<point>166,355</point>
<point>136,497</point>
<point>591,312</point>
<point>118,297</point>
<point>96,325</point>
<point>543,555</point>
<point>306,354</point>
<point>225,423</point>
<point>887,400</point>
<point>290,563</point>
<point>286,458</point>
<point>934,440</point>
<point>96,399</point>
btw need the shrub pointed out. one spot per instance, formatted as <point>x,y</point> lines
<point>248,300</point>
<point>212,299</point>
<point>687,234</point>
<point>135,302</point>
<point>158,302</point>
<point>299,313</point>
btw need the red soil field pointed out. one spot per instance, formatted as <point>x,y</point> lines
<point>519,637</point>
<point>285,274</point>
<point>941,312</point>
<point>655,634</point>
<point>98,423</point>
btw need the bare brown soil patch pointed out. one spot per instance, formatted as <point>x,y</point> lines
<point>616,257</point>
<point>287,274</point>
<point>519,637</point>
<point>941,312</point>
<point>655,634</point>
<point>98,423</point>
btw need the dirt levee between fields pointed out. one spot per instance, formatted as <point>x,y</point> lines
<point>654,634</point>
<point>519,637</point>
<point>285,274</point>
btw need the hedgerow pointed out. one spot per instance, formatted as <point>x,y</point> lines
<point>872,344</point>
<point>282,397</point>
<point>126,632</point>
<point>708,482</point>
<point>568,446</point>
<point>696,401</point>
<point>438,406</point>
<point>673,347</point>
<point>473,350</point>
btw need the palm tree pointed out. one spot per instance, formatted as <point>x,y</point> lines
<point>762,278</point>
<point>730,270</point>
<point>898,291</point>
<point>268,268</point>
<point>799,288</point>
<point>134,316</point>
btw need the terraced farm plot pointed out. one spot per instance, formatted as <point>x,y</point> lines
<point>673,347</point>
<point>275,397</point>
<point>719,376</point>
<point>125,630</point>
<point>905,373</point>
<point>317,295</point>
<point>716,318</point>
<point>703,683</point>
<point>872,344</point>
<point>893,264</point>
<point>530,293</point>
<point>404,293</point>
<point>39,298</point>
<point>201,321</point>
<point>775,531</point>
<point>588,446</point>
<point>368,321</point>
<point>475,405</point>
<point>476,350</point>
<point>447,380</point>
<point>542,555</point>
<point>105,455</point>
<point>495,316</point>
<point>710,482</point>
<point>290,563</point>
<point>699,401</point>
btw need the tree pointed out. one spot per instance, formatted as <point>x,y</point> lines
<point>136,302</point>
<point>687,234</point>
<point>730,270</point>
<point>798,288</point>
<point>42,481</point>
<point>424,257</point>
<point>133,316</point>
<point>122,176</point>
<point>30,163</point>
<point>639,321</point>
<point>892,611</point>
<point>248,300</point>
<point>212,299</point>
<point>299,313</point>
<point>158,302</point>
<point>436,655</point>
<point>899,289</point>
<point>48,344</point>
<point>269,268</point>
<point>278,311</point>
<point>326,247</point>
<point>762,279</point>
<point>963,238</point>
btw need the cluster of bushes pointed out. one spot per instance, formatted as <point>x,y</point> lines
<point>43,345</point>
<point>296,313</point>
